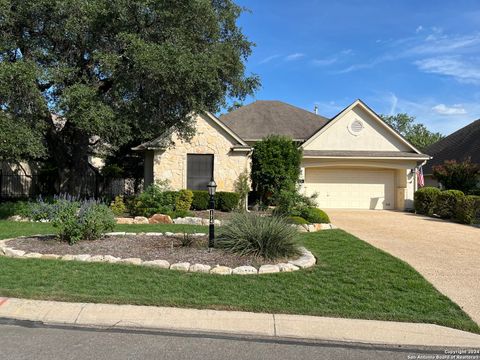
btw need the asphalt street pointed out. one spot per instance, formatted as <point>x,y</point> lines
<point>25,340</point>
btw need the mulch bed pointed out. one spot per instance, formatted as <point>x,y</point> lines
<point>140,246</point>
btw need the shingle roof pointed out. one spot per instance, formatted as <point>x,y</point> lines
<point>458,146</point>
<point>360,153</point>
<point>265,117</point>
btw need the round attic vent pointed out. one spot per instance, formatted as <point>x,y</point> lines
<point>356,127</point>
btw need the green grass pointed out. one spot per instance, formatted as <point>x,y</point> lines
<point>352,280</point>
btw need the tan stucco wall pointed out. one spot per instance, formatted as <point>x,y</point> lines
<point>209,138</point>
<point>374,136</point>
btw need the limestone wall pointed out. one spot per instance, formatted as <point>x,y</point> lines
<point>171,164</point>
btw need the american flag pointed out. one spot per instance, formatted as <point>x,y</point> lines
<point>420,179</point>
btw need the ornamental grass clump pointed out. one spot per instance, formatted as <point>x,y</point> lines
<point>269,237</point>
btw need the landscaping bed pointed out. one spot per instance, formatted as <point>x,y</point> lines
<point>145,247</point>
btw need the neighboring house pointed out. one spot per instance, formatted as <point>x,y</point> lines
<point>354,160</point>
<point>459,146</point>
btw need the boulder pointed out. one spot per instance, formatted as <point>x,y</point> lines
<point>163,264</point>
<point>111,259</point>
<point>124,220</point>
<point>67,257</point>
<point>154,234</point>
<point>183,266</point>
<point>160,219</point>
<point>244,270</point>
<point>97,258</point>
<point>286,267</point>
<point>325,226</point>
<point>132,261</point>
<point>268,269</point>
<point>33,255</point>
<point>140,220</point>
<point>200,268</point>
<point>221,270</point>
<point>51,256</point>
<point>81,257</point>
<point>14,253</point>
<point>188,220</point>
<point>305,261</point>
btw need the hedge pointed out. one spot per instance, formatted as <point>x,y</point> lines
<point>468,209</point>
<point>424,200</point>
<point>224,201</point>
<point>446,203</point>
<point>314,215</point>
<point>200,200</point>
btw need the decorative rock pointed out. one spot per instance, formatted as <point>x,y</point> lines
<point>286,267</point>
<point>118,233</point>
<point>305,261</point>
<point>97,258</point>
<point>111,259</point>
<point>17,218</point>
<point>188,220</point>
<point>169,234</point>
<point>67,258</point>
<point>221,270</point>
<point>154,234</point>
<point>124,220</point>
<point>133,261</point>
<point>301,228</point>
<point>183,266</point>
<point>200,268</point>
<point>160,219</point>
<point>81,257</point>
<point>326,226</point>
<point>33,255</point>
<point>164,264</point>
<point>244,270</point>
<point>268,269</point>
<point>140,220</point>
<point>2,250</point>
<point>50,256</point>
<point>130,234</point>
<point>14,253</point>
<point>199,234</point>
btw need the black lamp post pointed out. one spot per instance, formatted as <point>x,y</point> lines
<point>212,187</point>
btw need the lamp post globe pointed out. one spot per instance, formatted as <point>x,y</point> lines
<point>212,187</point>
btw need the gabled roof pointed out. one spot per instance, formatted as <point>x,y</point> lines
<point>462,144</point>
<point>163,141</point>
<point>265,117</point>
<point>374,115</point>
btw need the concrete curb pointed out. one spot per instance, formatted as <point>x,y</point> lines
<point>236,322</point>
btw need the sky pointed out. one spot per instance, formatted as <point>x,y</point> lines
<point>419,57</point>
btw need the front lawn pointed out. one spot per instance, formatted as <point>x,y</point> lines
<point>352,279</point>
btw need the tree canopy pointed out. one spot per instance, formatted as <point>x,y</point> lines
<point>113,72</point>
<point>417,134</point>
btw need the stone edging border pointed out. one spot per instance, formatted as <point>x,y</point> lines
<point>306,260</point>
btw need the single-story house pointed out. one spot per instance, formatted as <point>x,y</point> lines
<point>353,160</point>
<point>459,146</point>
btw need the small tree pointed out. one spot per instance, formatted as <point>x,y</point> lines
<point>457,175</point>
<point>275,166</point>
<point>242,187</point>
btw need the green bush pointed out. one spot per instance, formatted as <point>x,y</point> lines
<point>297,220</point>
<point>269,237</point>
<point>156,199</point>
<point>179,214</point>
<point>184,200</point>
<point>11,208</point>
<point>291,202</point>
<point>468,209</point>
<point>425,199</point>
<point>314,215</point>
<point>94,220</point>
<point>275,166</point>
<point>118,206</point>
<point>200,200</point>
<point>226,201</point>
<point>446,203</point>
<point>242,187</point>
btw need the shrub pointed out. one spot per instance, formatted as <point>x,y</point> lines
<point>200,200</point>
<point>179,214</point>
<point>425,199</point>
<point>94,220</point>
<point>314,215</point>
<point>184,200</point>
<point>457,175</point>
<point>297,220</point>
<point>468,209</point>
<point>242,187</point>
<point>291,202</point>
<point>11,208</point>
<point>275,166</point>
<point>156,199</point>
<point>118,206</point>
<point>226,201</point>
<point>269,237</point>
<point>446,203</point>
<point>64,218</point>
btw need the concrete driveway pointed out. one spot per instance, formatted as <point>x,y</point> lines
<point>445,253</point>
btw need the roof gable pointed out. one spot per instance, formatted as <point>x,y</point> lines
<point>264,117</point>
<point>358,128</point>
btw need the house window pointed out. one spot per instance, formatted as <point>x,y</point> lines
<point>199,171</point>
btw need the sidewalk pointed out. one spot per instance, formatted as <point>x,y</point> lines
<point>235,322</point>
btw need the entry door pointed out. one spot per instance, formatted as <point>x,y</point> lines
<point>199,171</point>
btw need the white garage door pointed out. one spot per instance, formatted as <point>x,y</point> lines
<point>351,188</point>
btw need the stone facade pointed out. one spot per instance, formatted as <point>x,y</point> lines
<point>210,138</point>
